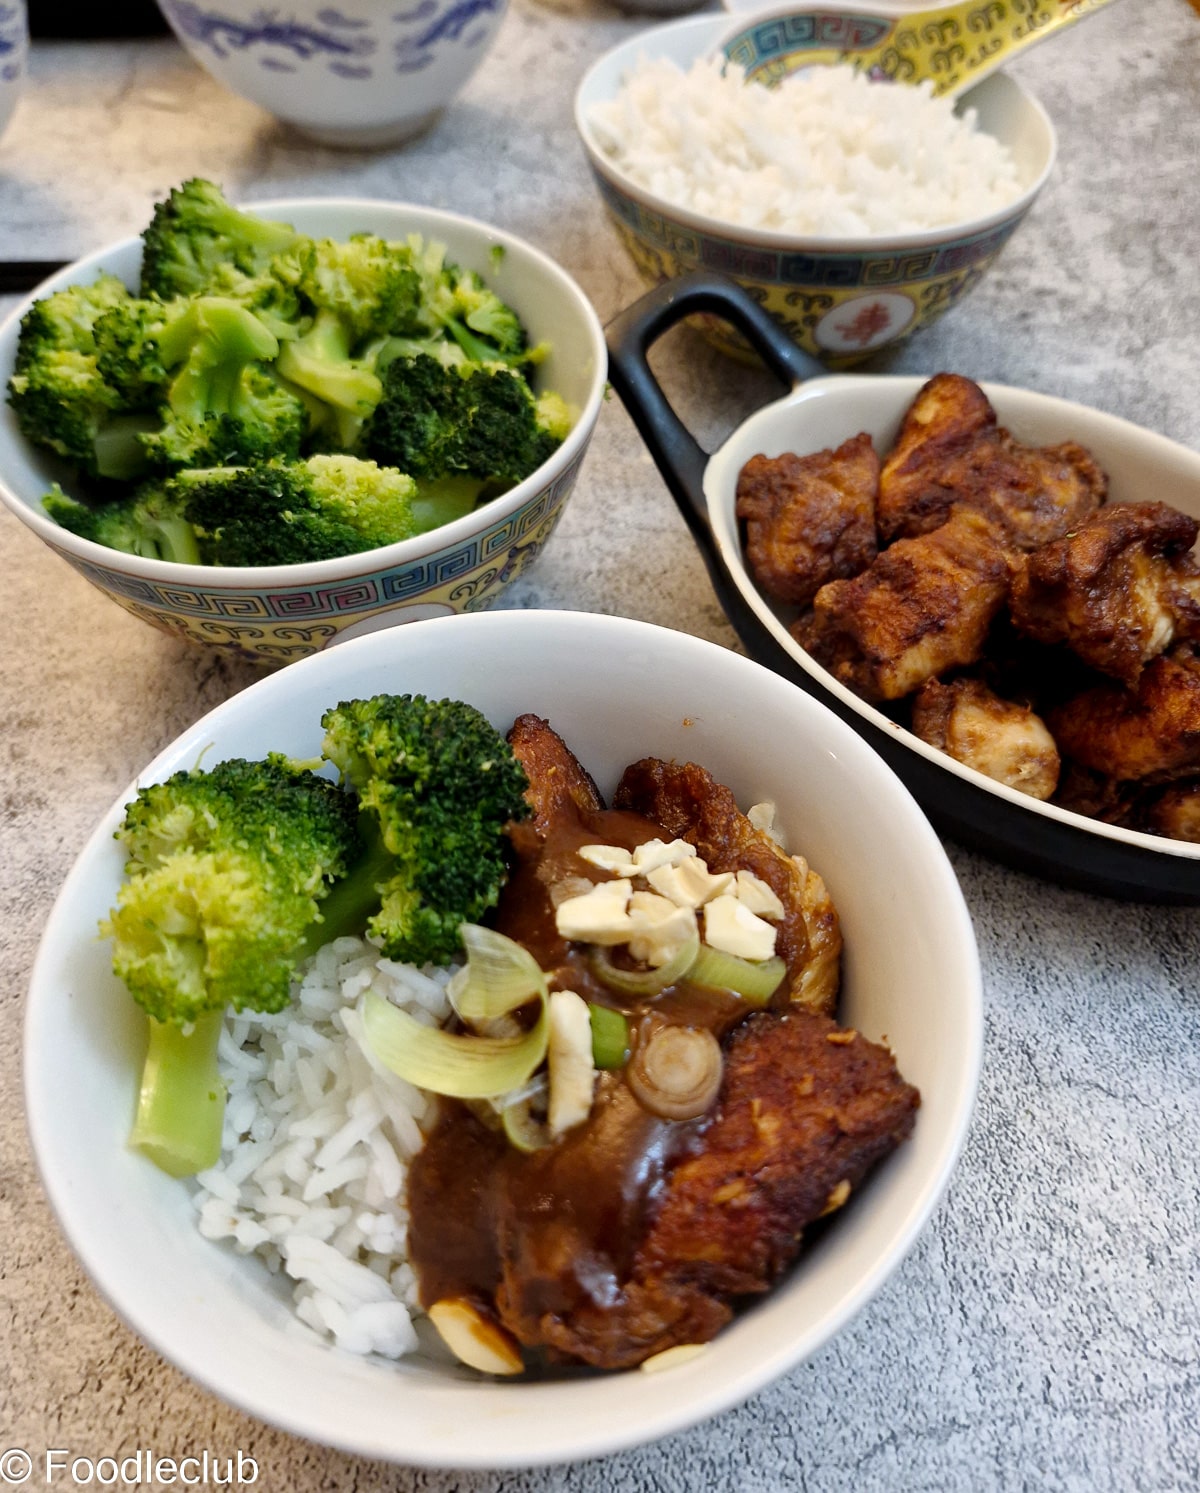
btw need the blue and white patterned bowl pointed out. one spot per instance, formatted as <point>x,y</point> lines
<point>357,73</point>
<point>14,57</point>
<point>840,299</point>
<point>274,614</point>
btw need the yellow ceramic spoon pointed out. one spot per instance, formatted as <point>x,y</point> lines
<point>954,46</point>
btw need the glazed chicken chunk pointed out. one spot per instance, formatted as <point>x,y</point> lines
<point>806,1110</point>
<point>688,802</point>
<point>1117,590</point>
<point>1001,738</point>
<point>1128,734</point>
<point>951,454</point>
<point>809,519</point>
<point>923,607</point>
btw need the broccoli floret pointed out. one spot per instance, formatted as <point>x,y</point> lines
<point>147,522</point>
<point>457,302</point>
<point>226,873</point>
<point>58,393</point>
<point>369,284</point>
<point>437,784</point>
<point>287,513</point>
<point>485,422</point>
<point>223,403</point>
<point>320,362</point>
<point>194,237</point>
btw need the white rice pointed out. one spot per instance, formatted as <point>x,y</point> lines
<point>826,153</point>
<point>318,1136</point>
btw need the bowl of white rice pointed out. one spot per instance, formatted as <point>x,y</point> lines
<point>278,1279</point>
<point>856,210</point>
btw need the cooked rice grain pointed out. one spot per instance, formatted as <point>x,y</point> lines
<point>827,153</point>
<point>318,1136</point>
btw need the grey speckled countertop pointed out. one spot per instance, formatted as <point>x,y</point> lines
<point>1044,1332</point>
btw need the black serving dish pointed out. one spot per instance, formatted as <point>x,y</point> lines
<point>825,409</point>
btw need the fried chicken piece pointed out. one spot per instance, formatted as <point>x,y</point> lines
<point>557,779</point>
<point>1136,734</point>
<point>923,607</point>
<point>806,1110</point>
<point>951,454</point>
<point>691,805</point>
<point>809,519</point>
<point>1174,812</point>
<point>1117,590</point>
<point>1095,795</point>
<point>1000,738</point>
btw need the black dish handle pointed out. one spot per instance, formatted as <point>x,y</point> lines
<point>959,809</point>
<point>630,336</point>
<point>678,455</point>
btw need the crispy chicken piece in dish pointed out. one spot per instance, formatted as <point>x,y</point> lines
<point>1135,734</point>
<point>805,1111</point>
<point>690,805</point>
<point>809,519</point>
<point>1001,738</point>
<point>1117,590</point>
<point>1174,812</point>
<point>557,779</point>
<point>950,453</point>
<point>923,607</point>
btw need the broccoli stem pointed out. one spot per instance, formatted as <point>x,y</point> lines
<point>181,1103</point>
<point>356,898</point>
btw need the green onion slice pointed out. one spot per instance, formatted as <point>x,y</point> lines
<point>610,1036</point>
<point>643,982</point>
<point>523,1128</point>
<point>457,1064</point>
<point>499,976</point>
<point>756,981</point>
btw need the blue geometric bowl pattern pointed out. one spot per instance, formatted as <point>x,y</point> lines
<point>840,306</point>
<point>277,624</point>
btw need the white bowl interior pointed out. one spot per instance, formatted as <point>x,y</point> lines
<point>616,690</point>
<point>823,412</point>
<point>1005,110</point>
<point>550,303</point>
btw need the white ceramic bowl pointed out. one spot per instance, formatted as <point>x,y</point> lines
<point>273,614</point>
<point>616,690</point>
<point>356,74</point>
<point>840,299</point>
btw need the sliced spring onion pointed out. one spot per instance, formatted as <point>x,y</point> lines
<point>610,1036</point>
<point>756,981</point>
<point>643,982</point>
<point>676,1072</point>
<point>525,1130</point>
<point>457,1064</point>
<point>499,976</point>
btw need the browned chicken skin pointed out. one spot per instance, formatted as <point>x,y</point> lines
<point>633,1233</point>
<point>809,519</point>
<point>691,805</point>
<point>950,454</point>
<point>1151,731</point>
<point>1117,590</point>
<point>805,1111</point>
<point>923,607</point>
<point>1005,740</point>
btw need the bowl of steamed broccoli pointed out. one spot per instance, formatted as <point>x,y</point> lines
<point>266,429</point>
